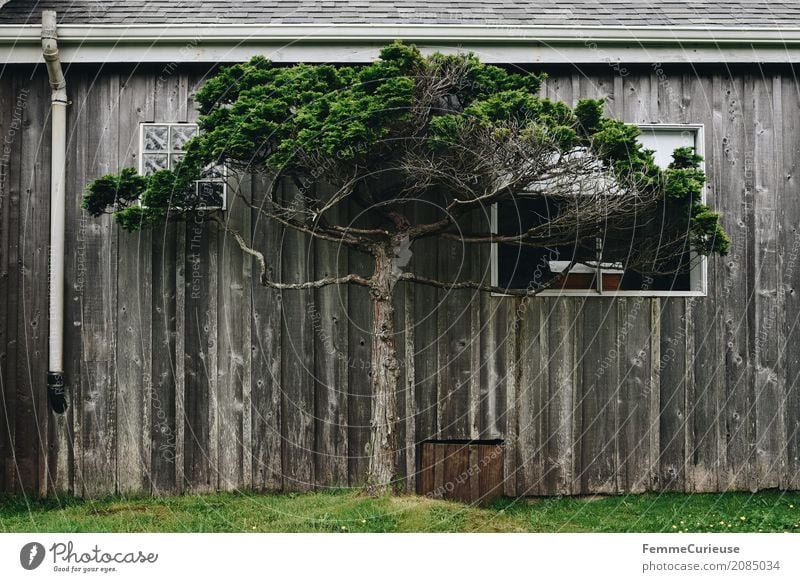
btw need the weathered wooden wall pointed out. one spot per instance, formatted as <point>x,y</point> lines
<point>185,374</point>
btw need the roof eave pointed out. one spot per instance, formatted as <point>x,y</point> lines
<point>287,42</point>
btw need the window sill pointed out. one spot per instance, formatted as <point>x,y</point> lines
<point>591,293</point>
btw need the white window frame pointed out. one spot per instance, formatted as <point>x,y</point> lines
<point>169,152</point>
<point>698,276</point>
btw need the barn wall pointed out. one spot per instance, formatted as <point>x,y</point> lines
<point>185,374</point>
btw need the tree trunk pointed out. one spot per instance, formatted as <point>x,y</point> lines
<point>384,370</point>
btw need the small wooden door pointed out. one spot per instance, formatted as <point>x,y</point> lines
<point>468,471</point>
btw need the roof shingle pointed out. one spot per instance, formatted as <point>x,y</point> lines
<point>706,13</point>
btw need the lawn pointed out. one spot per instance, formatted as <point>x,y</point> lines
<point>348,511</point>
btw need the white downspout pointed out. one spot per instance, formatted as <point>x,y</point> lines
<point>58,119</point>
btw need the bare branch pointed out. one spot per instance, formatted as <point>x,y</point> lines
<point>340,236</point>
<point>529,292</point>
<point>259,256</point>
<point>351,279</point>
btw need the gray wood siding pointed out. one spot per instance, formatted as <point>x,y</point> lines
<point>186,375</point>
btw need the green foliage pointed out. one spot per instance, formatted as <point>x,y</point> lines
<point>112,189</point>
<point>615,140</point>
<point>134,218</point>
<point>686,157</point>
<point>708,235</point>
<point>324,122</point>
<point>684,181</point>
<point>589,113</point>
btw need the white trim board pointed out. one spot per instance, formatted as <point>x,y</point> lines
<point>359,43</point>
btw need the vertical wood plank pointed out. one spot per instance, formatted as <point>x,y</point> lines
<point>297,355</point>
<point>454,342</point>
<point>233,348</point>
<point>512,385</point>
<point>425,482</point>
<point>329,322</point>
<point>490,477</point>
<point>597,85</point>
<point>75,272</point>
<point>167,426</point>
<point>410,408</point>
<point>200,355</point>
<point>561,87</point>
<point>233,341</point>
<point>672,380</point>
<point>789,248</point>
<point>735,206</point>
<point>424,262</point>
<point>31,416</point>
<point>615,105</point>
<point>769,388</point>
<point>99,420</point>
<point>486,386</point>
<point>266,352</point>
<point>561,328</point>
<point>633,345</point>
<point>174,106</point>
<point>8,105</point>
<point>134,307</point>
<point>359,403</point>
<point>637,98</point>
<point>532,395</point>
<point>247,341</point>
<point>456,465</point>
<point>654,418</point>
<point>401,426</point>
<point>493,347</point>
<point>162,403</point>
<point>439,459</point>
<point>598,401</point>
<point>706,313</point>
<point>12,172</point>
<point>479,270</point>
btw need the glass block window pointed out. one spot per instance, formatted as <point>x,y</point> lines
<point>161,147</point>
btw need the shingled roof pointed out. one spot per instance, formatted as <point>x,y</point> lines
<point>673,13</point>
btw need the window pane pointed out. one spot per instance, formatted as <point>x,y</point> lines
<point>154,162</point>
<point>181,134</point>
<point>665,141</point>
<point>155,138</point>
<point>522,267</point>
<point>210,193</point>
<point>174,160</point>
<point>213,172</point>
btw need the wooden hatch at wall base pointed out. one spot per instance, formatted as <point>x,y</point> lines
<point>461,470</point>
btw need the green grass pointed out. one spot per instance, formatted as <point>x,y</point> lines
<point>348,511</point>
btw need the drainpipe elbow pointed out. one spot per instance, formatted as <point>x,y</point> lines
<point>52,58</point>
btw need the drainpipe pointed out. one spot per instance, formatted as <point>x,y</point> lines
<point>58,118</point>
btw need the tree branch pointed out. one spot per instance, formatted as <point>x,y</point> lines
<point>341,237</point>
<point>352,279</point>
<point>259,256</point>
<point>414,278</point>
